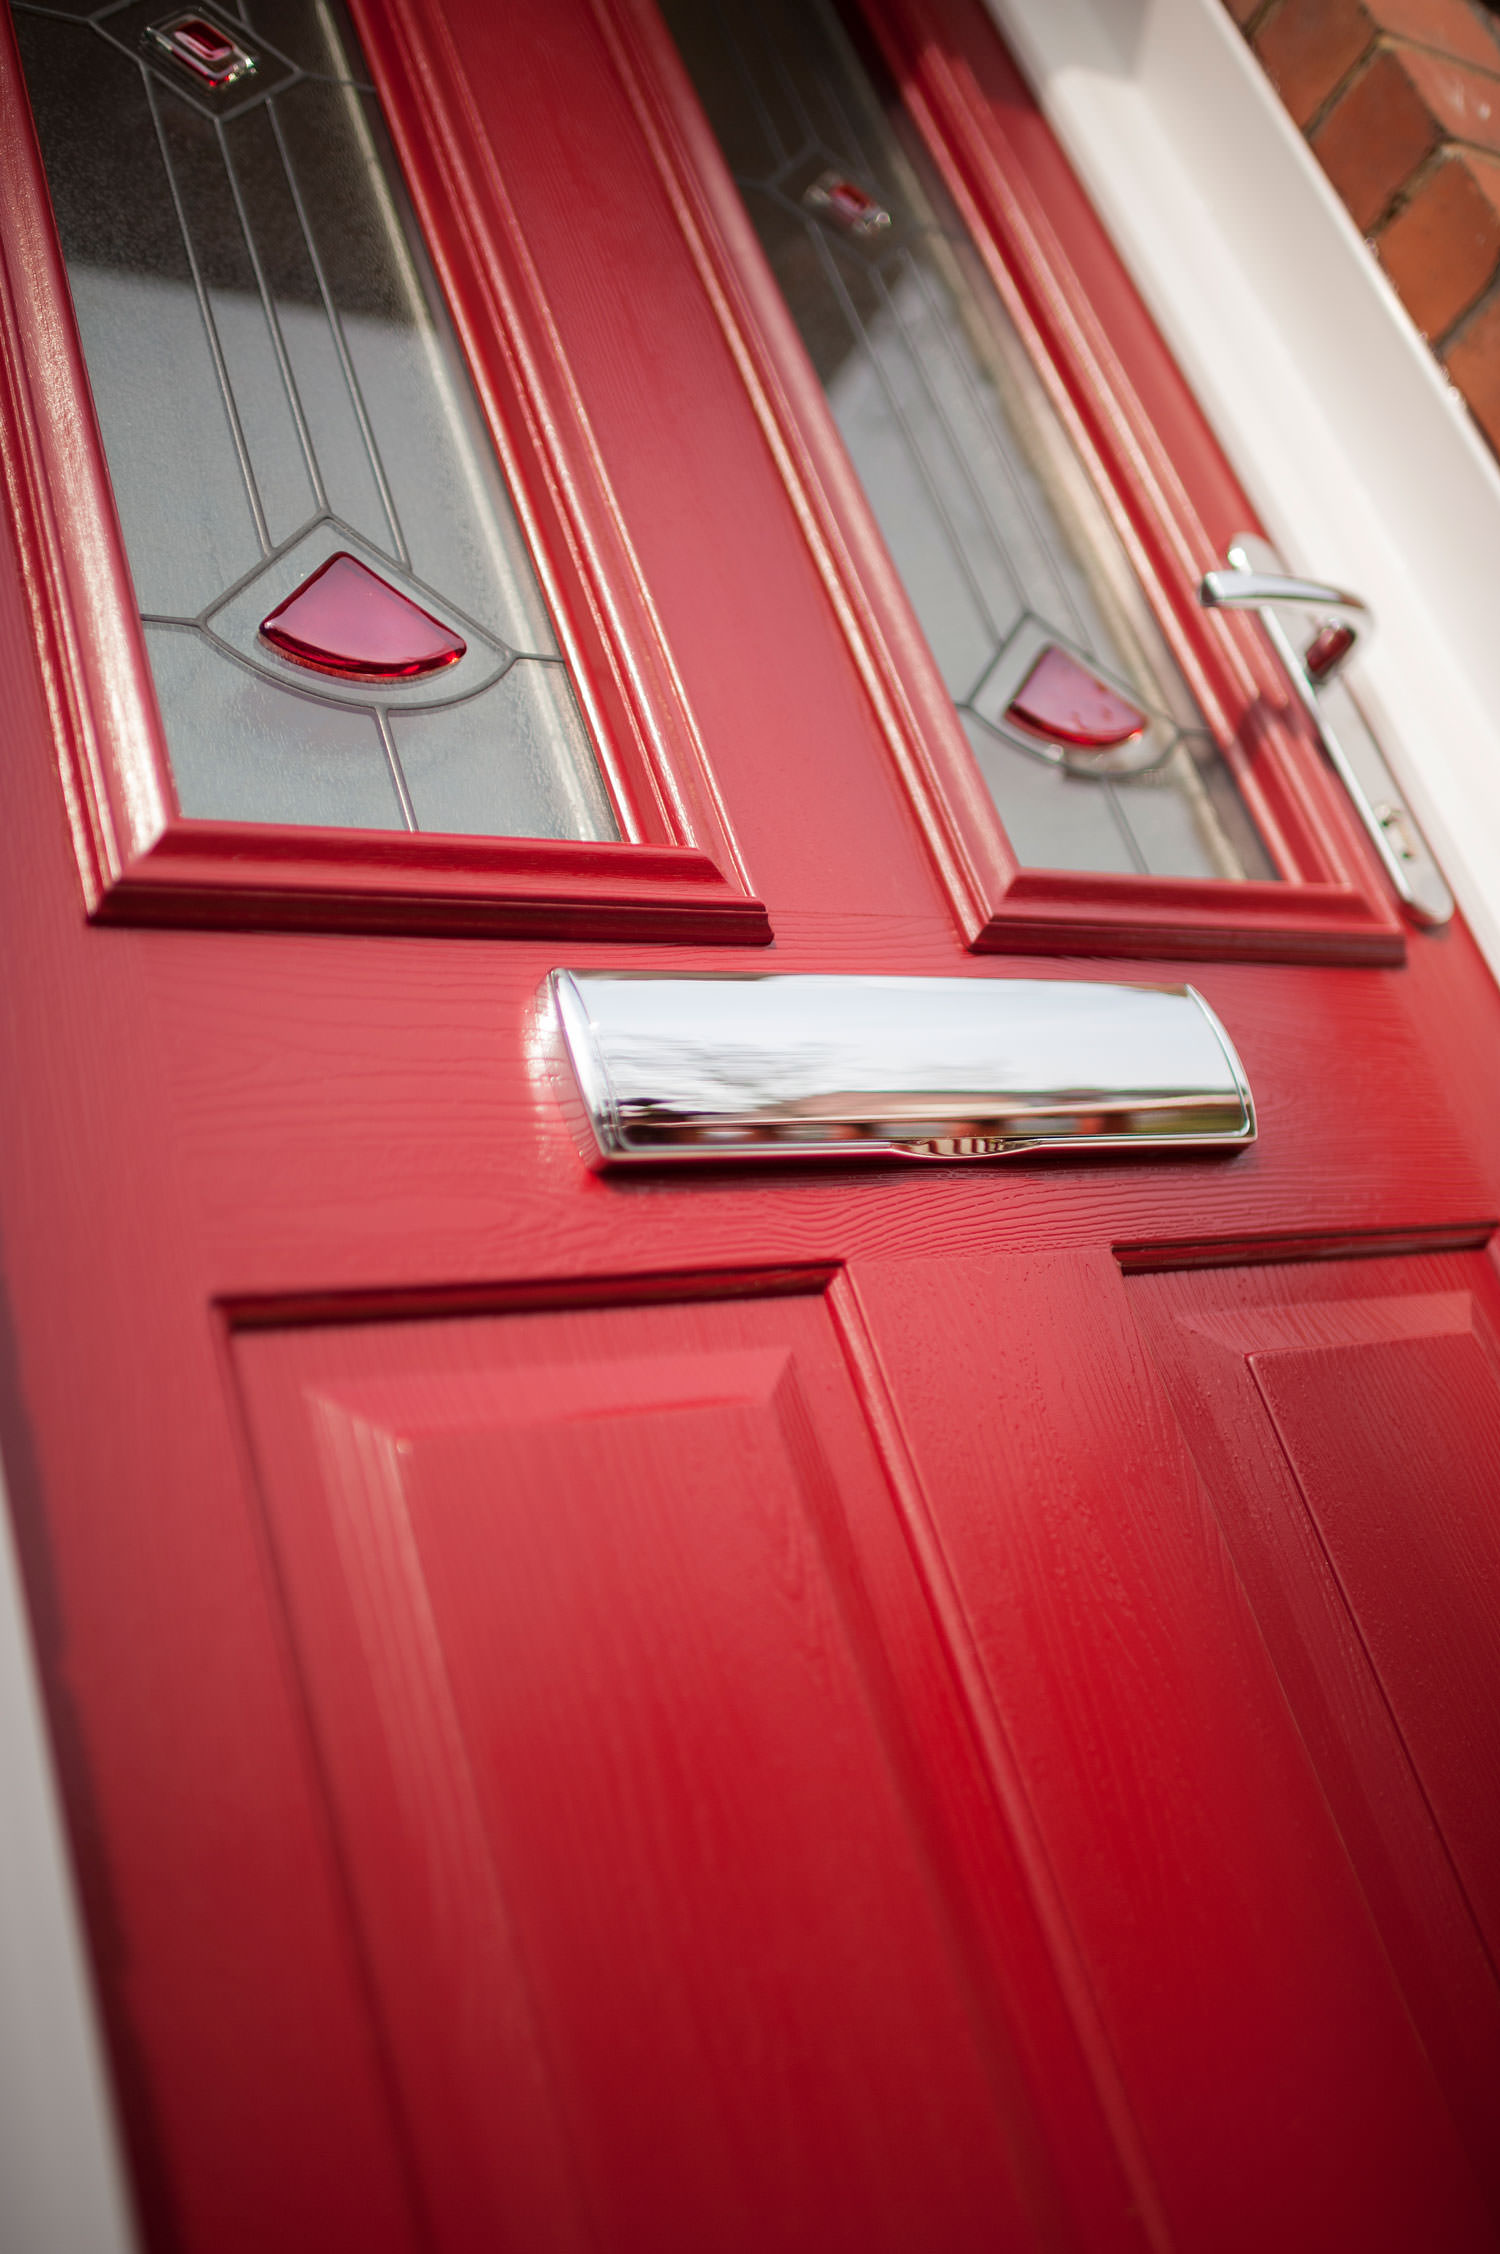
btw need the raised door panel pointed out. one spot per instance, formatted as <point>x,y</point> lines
<point>1395,1443</point>
<point>1346,1417</point>
<point>1264,2045</point>
<point>686,1922</point>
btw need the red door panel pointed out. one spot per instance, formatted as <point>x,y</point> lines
<point>639,1740</point>
<point>1347,1422</point>
<point>1395,1441</point>
<point>1169,1785</point>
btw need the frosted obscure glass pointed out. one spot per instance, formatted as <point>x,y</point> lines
<point>457,781</point>
<point>246,751</point>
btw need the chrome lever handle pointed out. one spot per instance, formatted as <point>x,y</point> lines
<point>1255,580</point>
<point>1347,618</point>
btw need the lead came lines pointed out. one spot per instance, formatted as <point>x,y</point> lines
<point>941,317</point>
<point>356,396</point>
<point>205,311</point>
<point>273,323</point>
<point>854,143</point>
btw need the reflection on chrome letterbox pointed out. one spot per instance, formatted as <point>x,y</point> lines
<point>929,1068</point>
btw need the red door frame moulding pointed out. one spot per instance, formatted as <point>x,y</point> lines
<point>1117,389</point>
<point>677,876</point>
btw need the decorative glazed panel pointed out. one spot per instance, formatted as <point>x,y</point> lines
<point>279,386</point>
<point>1087,736</point>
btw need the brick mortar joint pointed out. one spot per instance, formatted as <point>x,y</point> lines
<point>1401,40</point>
<point>1391,43</point>
<point>1447,144</point>
<point>1381,40</point>
<point>1266,13</point>
<point>1330,102</point>
<point>1411,187</point>
<point>1454,333</point>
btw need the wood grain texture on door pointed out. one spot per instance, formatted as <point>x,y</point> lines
<point>1346,1419</point>
<point>1243,1985</point>
<point>644,1762</point>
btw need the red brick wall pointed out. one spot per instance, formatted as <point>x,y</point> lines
<point>1400,102</point>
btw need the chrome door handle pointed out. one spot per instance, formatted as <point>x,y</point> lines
<point>673,1069</point>
<point>1315,630</point>
<point>1329,649</point>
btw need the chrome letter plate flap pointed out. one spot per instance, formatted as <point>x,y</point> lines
<point>929,1068</point>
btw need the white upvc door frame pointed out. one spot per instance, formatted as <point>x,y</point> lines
<point>1359,455</point>
<point>62,2183</point>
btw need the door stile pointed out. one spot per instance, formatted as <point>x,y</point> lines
<point>214,1911</point>
<point>1005,1777</point>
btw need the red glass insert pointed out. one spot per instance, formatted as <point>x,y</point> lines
<point>852,206</point>
<point>347,620</point>
<point>1063,701</point>
<point>202,48</point>
<point>1326,652</point>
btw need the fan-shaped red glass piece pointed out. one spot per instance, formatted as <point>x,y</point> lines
<point>1065,702</point>
<point>347,620</point>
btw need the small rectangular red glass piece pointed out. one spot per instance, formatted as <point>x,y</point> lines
<point>201,47</point>
<point>852,206</point>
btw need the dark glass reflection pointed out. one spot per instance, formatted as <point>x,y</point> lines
<point>1003,548</point>
<point>277,381</point>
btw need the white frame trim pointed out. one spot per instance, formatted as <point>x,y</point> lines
<point>62,2185</point>
<point>1359,455</point>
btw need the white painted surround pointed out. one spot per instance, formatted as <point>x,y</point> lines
<point>1364,468</point>
<point>61,2183</point>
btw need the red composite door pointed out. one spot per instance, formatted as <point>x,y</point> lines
<point>825,1706</point>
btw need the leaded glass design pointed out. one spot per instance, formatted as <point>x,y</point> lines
<point>1009,559</point>
<point>279,385</point>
